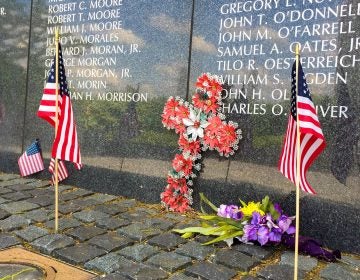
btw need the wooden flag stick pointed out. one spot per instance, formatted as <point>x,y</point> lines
<point>298,162</point>
<point>56,127</point>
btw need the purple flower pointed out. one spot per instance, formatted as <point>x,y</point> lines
<point>311,247</point>
<point>256,218</point>
<point>263,235</point>
<point>284,223</point>
<point>230,211</point>
<point>257,230</point>
<point>250,233</point>
<point>275,235</point>
<point>269,221</point>
<point>263,228</point>
<point>291,230</point>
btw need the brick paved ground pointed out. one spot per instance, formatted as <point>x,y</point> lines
<point>120,238</point>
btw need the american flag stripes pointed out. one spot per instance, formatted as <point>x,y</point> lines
<point>312,140</point>
<point>31,160</point>
<point>62,171</point>
<point>66,146</point>
<point>47,107</point>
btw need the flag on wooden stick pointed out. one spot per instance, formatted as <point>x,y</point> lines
<point>66,146</point>
<point>31,160</point>
<point>62,171</point>
<point>312,140</point>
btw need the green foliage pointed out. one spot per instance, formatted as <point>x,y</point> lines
<point>268,207</point>
<point>105,119</point>
<point>204,199</point>
<point>149,114</point>
<point>265,203</point>
<point>226,236</point>
<point>267,141</point>
<point>270,124</point>
<point>224,231</point>
<point>96,115</point>
<point>224,228</point>
<point>166,138</point>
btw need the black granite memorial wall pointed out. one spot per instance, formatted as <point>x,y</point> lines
<point>123,60</point>
<point>14,38</point>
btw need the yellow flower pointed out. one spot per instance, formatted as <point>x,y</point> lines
<point>251,207</point>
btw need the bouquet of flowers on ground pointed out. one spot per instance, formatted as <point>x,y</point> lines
<point>254,222</point>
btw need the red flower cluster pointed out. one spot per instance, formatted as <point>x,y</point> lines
<point>208,95</point>
<point>191,147</point>
<point>200,127</point>
<point>182,165</point>
<point>177,199</point>
<point>209,84</point>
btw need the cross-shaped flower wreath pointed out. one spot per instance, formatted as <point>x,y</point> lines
<point>200,126</point>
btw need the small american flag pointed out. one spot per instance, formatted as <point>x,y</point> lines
<point>31,160</point>
<point>47,108</point>
<point>66,146</point>
<point>312,140</point>
<point>62,171</point>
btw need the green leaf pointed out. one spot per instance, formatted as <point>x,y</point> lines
<point>275,214</point>
<point>216,230</point>
<point>208,217</point>
<point>242,203</point>
<point>190,229</point>
<point>218,219</point>
<point>265,203</point>
<point>226,228</point>
<point>225,236</point>
<point>203,198</point>
<point>205,225</point>
<point>187,235</point>
<point>201,230</point>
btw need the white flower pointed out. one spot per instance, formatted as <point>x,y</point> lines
<point>195,126</point>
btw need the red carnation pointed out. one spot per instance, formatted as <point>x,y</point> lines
<point>175,199</point>
<point>178,184</point>
<point>182,164</point>
<point>205,103</point>
<point>192,147</point>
